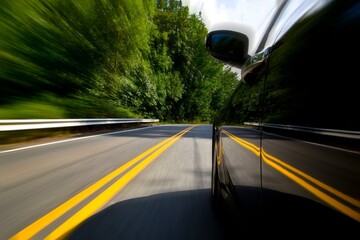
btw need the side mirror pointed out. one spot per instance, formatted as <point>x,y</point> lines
<point>228,46</point>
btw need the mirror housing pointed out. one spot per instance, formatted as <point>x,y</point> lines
<point>229,47</point>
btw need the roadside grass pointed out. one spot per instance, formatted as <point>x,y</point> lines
<point>50,107</point>
<point>31,109</point>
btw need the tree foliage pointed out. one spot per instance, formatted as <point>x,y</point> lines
<point>145,56</point>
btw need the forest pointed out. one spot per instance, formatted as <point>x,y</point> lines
<point>108,58</point>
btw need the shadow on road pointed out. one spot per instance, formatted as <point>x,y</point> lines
<point>178,215</point>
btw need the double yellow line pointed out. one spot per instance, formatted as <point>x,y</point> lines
<point>98,202</point>
<point>316,187</point>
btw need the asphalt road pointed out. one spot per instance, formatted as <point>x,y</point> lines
<point>148,183</point>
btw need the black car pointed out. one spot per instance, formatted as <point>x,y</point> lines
<point>286,150</point>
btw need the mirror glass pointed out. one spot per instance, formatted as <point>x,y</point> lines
<point>228,46</point>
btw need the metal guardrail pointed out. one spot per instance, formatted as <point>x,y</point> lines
<point>322,131</point>
<point>32,124</point>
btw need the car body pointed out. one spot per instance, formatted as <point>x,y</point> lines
<point>286,150</point>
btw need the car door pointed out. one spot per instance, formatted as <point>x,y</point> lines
<point>310,157</point>
<point>289,156</point>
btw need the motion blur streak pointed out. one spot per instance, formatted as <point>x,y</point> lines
<point>275,163</point>
<point>106,195</point>
<point>47,219</point>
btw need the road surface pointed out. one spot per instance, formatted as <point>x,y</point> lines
<point>147,183</point>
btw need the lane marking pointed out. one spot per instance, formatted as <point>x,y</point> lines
<point>252,147</point>
<point>328,188</point>
<point>70,140</point>
<point>275,163</point>
<point>50,217</point>
<point>110,192</point>
<point>323,196</point>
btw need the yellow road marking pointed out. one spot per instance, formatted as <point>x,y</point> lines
<point>253,148</point>
<point>275,163</point>
<point>50,217</point>
<point>110,192</point>
<point>328,188</point>
<point>331,201</point>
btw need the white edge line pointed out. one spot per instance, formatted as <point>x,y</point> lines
<point>69,140</point>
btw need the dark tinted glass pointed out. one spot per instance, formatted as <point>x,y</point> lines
<point>230,47</point>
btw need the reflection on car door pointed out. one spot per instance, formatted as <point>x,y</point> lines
<point>310,159</point>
